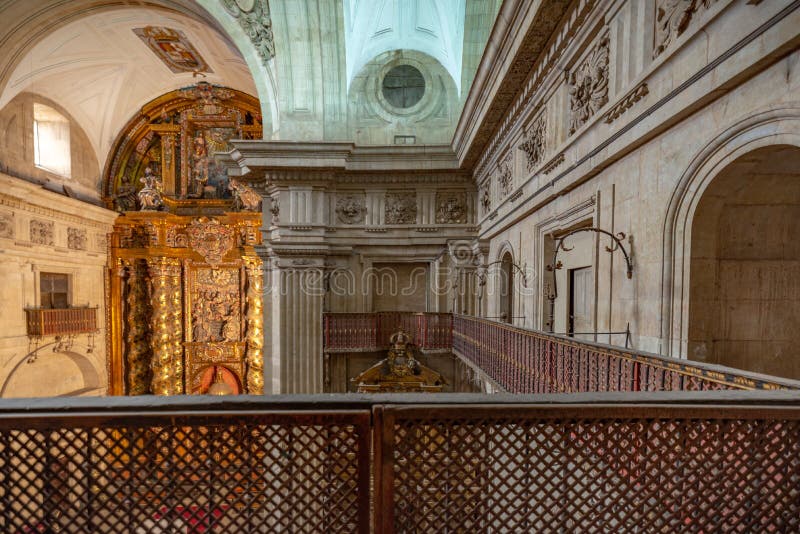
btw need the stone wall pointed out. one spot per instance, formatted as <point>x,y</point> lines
<point>628,138</point>
<point>41,231</point>
<point>17,157</point>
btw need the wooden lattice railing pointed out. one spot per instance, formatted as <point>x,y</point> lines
<point>529,361</point>
<point>61,322</point>
<point>606,462</point>
<point>520,360</point>
<point>371,331</point>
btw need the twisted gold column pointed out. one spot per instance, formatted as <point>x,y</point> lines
<point>166,326</point>
<point>255,326</point>
<point>137,335</point>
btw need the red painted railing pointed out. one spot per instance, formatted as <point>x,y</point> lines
<point>371,331</point>
<point>529,361</point>
<point>61,322</point>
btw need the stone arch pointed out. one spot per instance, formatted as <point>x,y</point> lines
<point>78,372</point>
<point>776,125</point>
<point>30,26</point>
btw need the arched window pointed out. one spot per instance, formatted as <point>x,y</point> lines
<point>51,140</point>
<point>507,288</point>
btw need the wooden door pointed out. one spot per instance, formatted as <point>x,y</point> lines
<point>581,303</point>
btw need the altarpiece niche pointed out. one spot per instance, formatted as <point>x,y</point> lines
<point>185,283</point>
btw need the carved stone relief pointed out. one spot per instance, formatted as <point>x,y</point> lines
<point>672,19</point>
<point>275,208</point>
<point>76,238</point>
<point>401,208</point>
<point>254,18</point>
<point>534,143</point>
<point>42,232</point>
<point>451,207</point>
<point>588,86</point>
<point>505,176</point>
<point>486,198</point>
<point>6,225</point>
<point>210,238</point>
<point>351,209</point>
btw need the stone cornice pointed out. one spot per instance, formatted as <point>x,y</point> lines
<point>248,156</point>
<point>492,92</point>
<point>32,198</point>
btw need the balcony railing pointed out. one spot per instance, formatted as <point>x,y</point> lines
<point>603,462</point>
<point>353,332</point>
<point>61,322</point>
<point>528,361</point>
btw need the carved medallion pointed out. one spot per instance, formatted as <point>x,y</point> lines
<point>208,97</point>
<point>41,232</point>
<point>210,238</point>
<point>6,225</point>
<point>76,238</point>
<point>401,208</point>
<point>533,146</point>
<point>173,48</point>
<point>351,209</point>
<point>451,207</point>
<point>588,86</point>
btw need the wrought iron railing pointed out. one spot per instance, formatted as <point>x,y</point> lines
<point>371,331</point>
<point>61,322</point>
<point>605,462</point>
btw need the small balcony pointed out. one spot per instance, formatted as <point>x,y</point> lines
<point>61,322</point>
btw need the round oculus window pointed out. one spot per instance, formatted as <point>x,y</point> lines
<point>403,86</point>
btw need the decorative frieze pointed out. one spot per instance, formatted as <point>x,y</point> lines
<point>627,102</point>
<point>534,144</point>
<point>76,238</point>
<point>6,225</point>
<point>505,176</point>
<point>400,208</point>
<point>588,86</point>
<point>351,209</point>
<point>451,207</point>
<point>42,232</point>
<point>672,19</point>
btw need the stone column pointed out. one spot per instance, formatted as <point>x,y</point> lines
<point>138,351</point>
<point>166,326</point>
<point>298,297</point>
<point>254,356</point>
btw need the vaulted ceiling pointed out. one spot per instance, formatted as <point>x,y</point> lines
<point>434,27</point>
<point>102,72</point>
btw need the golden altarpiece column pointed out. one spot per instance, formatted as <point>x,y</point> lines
<point>184,280</point>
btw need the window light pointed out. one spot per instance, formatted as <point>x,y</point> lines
<point>51,140</point>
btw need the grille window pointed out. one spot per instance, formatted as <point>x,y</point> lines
<point>54,290</point>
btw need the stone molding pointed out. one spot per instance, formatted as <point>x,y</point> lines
<point>627,102</point>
